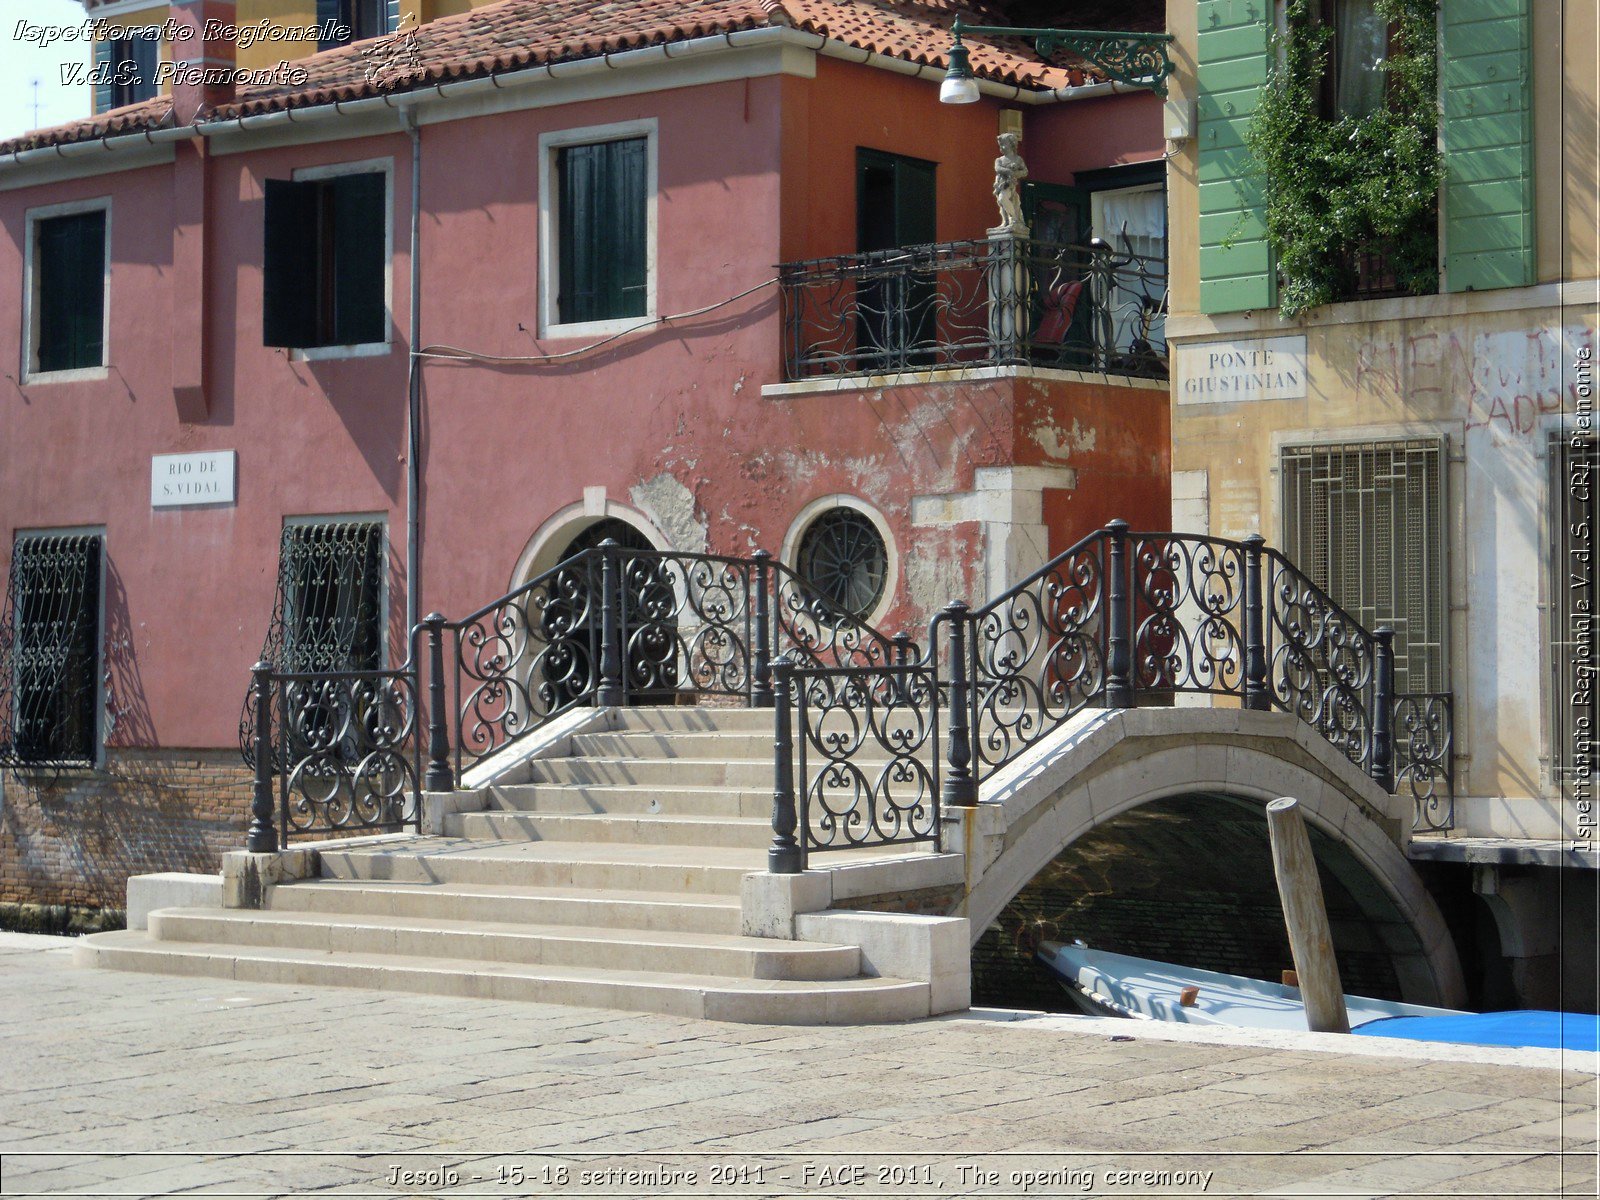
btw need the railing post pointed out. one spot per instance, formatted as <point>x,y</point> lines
<point>1008,297</point>
<point>440,777</point>
<point>1119,637</point>
<point>901,652</point>
<point>783,857</point>
<point>960,788</point>
<point>262,838</point>
<point>1256,695</point>
<point>761,670</point>
<point>609,693</point>
<point>1382,769</point>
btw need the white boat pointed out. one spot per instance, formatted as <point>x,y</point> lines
<point>1106,984</point>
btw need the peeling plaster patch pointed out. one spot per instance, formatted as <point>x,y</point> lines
<point>870,476</point>
<point>672,507</point>
<point>1061,444</point>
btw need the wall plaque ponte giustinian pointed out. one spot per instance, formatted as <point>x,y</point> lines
<point>1229,372</point>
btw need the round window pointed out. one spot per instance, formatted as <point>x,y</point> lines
<point>843,556</point>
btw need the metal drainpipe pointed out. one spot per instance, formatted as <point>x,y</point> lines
<point>414,386</point>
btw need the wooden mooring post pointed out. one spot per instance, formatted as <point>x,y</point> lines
<point>1310,939</point>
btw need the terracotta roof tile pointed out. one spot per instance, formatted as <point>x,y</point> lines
<point>515,34</point>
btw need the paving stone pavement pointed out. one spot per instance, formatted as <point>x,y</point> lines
<point>131,1085</point>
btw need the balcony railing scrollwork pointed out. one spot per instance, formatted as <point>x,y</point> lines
<point>989,302</point>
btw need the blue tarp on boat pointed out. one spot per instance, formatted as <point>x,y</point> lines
<point>1554,1030</point>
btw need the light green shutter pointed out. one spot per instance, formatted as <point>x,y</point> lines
<point>105,67</point>
<point>1236,270</point>
<point>1484,78</point>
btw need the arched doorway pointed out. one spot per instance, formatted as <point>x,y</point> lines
<point>648,607</point>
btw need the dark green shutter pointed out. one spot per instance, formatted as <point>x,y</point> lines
<point>360,215</point>
<point>1236,267</point>
<point>288,264</point>
<point>629,259</point>
<point>104,70</point>
<point>331,11</point>
<point>603,237</point>
<point>71,295</point>
<point>1484,80</point>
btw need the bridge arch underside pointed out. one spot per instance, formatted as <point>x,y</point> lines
<point>1188,879</point>
<point>1144,832</point>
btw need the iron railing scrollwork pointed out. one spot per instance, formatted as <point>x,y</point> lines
<point>1121,619</point>
<point>333,752</point>
<point>986,302</point>
<point>615,625</point>
<point>857,760</point>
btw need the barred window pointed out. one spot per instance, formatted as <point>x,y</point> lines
<point>1571,592</point>
<point>50,652</point>
<point>1366,522</point>
<point>328,615</point>
<point>843,556</point>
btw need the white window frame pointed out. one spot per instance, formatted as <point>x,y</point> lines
<point>368,166</point>
<point>550,226</point>
<point>102,729</point>
<point>30,373</point>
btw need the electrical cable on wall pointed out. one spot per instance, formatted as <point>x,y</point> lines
<point>457,354</point>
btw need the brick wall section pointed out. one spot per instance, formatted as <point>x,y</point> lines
<point>75,839</point>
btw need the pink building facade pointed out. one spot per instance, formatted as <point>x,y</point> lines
<point>697,432</point>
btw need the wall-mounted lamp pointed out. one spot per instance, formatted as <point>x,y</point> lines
<point>1136,59</point>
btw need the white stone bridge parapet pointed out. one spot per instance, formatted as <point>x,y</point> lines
<point>1102,763</point>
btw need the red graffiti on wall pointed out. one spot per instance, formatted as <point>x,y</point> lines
<point>1510,380</point>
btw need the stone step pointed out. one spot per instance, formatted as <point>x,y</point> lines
<point>614,909</point>
<point>691,747</point>
<point>647,772</point>
<point>630,800</point>
<point>692,720</point>
<point>555,945</point>
<point>521,863</point>
<point>608,829</point>
<point>714,997</point>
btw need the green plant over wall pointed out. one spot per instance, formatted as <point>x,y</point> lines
<point>1338,185</point>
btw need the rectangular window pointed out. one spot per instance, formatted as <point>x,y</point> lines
<point>50,651</point>
<point>325,261</point>
<point>134,61</point>
<point>603,240</point>
<point>1366,522</point>
<point>69,292</point>
<point>1574,474</point>
<point>362,18</point>
<point>330,607</point>
<point>1354,83</point>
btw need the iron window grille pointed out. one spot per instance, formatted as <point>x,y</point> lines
<point>50,652</point>
<point>1571,632</point>
<point>324,261</point>
<point>69,291</point>
<point>844,558</point>
<point>328,614</point>
<point>1366,522</point>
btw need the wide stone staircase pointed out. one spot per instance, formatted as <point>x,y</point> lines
<point>606,871</point>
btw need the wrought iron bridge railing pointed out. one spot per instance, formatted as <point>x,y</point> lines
<point>991,302</point>
<point>1118,620</point>
<point>872,734</point>
<point>343,750</point>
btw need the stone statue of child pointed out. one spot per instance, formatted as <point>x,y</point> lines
<point>1009,172</point>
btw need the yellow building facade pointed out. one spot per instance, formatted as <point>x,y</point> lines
<point>1422,455</point>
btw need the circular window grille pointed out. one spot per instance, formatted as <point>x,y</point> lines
<point>843,556</point>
